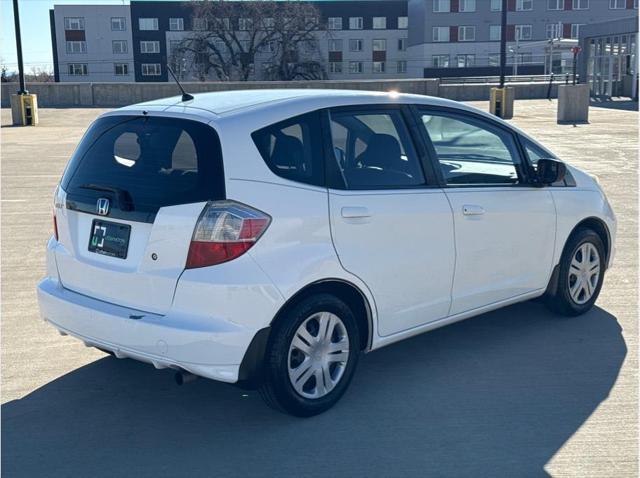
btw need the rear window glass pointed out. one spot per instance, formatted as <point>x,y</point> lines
<point>292,149</point>
<point>144,163</point>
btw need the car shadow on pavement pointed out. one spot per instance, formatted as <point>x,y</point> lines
<point>497,395</point>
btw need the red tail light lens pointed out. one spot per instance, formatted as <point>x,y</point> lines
<point>225,230</point>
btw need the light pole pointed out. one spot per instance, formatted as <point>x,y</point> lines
<point>16,21</point>
<point>503,43</point>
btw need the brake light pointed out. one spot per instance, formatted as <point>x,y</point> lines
<point>55,226</point>
<point>225,231</point>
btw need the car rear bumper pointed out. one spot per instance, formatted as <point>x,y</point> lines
<point>205,346</point>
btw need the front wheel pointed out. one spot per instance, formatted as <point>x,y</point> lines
<point>581,274</point>
<point>311,356</point>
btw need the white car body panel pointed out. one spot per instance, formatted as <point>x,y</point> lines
<point>203,320</point>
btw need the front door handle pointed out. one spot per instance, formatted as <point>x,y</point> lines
<point>354,212</point>
<point>472,210</point>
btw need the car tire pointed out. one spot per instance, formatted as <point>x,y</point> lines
<point>306,370</point>
<point>577,286</point>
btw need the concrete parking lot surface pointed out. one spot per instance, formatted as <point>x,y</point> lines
<point>516,392</point>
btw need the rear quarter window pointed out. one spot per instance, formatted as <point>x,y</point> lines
<point>292,149</point>
<point>145,163</point>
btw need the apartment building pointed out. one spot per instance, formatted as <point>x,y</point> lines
<point>465,34</point>
<point>92,43</point>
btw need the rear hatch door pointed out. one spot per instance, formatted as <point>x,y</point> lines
<point>133,192</point>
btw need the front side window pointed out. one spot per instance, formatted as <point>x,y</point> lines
<point>355,23</point>
<point>471,151</point>
<point>118,24</point>
<point>467,33</point>
<point>291,149</point>
<point>372,150</point>
<point>148,23</point>
<point>176,24</point>
<point>535,152</point>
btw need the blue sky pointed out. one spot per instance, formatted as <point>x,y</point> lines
<point>36,34</point>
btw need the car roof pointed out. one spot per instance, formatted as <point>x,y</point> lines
<point>238,102</point>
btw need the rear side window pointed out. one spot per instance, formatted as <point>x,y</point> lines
<point>292,149</point>
<point>144,163</point>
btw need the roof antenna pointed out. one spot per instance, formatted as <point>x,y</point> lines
<point>185,96</point>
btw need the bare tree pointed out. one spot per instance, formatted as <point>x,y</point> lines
<point>228,36</point>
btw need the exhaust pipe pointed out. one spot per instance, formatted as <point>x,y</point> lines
<point>182,377</point>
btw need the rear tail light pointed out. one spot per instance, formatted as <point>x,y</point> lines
<point>224,231</point>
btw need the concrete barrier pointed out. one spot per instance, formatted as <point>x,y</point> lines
<point>121,94</point>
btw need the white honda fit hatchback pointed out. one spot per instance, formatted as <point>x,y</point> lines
<point>268,237</point>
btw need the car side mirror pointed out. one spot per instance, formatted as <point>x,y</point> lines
<point>550,171</point>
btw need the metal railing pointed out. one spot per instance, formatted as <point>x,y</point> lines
<point>559,78</point>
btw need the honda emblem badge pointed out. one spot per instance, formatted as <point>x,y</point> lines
<point>102,206</point>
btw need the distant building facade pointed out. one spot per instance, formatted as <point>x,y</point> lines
<point>364,39</point>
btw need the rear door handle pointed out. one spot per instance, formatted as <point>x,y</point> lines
<point>472,210</point>
<point>355,212</point>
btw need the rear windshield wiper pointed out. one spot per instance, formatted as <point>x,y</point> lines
<point>122,196</point>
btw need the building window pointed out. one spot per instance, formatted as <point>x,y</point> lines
<point>151,69</point>
<point>465,61</point>
<point>466,33</point>
<point>119,46</point>
<point>147,23</point>
<point>401,67</point>
<point>355,67</point>
<point>494,32</point>
<point>335,67</point>
<point>149,47</point>
<point>402,44</point>
<point>355,23</point>
<point>355,45</point>
<point>440,34</point>
<point>76,47</point>
<point>378,66</point>
<point>440,61</point>
<point>441,6</point>
<point>403,23</point>
<point>118,24</point>
<point>335,23</point>
<point>580,4</point>
<point>524,5</point>
<point>617,4</point>
<point>524,58</point>
<point>245,24</point>
<point>467,5</point>
<point>379,45</point>
<point>73,23</point>
<point>120,69</point>
<point>575,30</point>
<point>379,23</point>
<point>496,5</point>
<point>176,24</point>
<point>200,24</point>
<point>523,32</point>
<point>335,45</point>
<point>494,59</point>
<point>268,23</point>
<point>554,30</point>
<point>175,46</point>
<point>76,69</point>
<point>555,4</point>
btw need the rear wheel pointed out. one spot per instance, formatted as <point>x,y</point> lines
<point>581,273</point>
<point>311,356</point>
